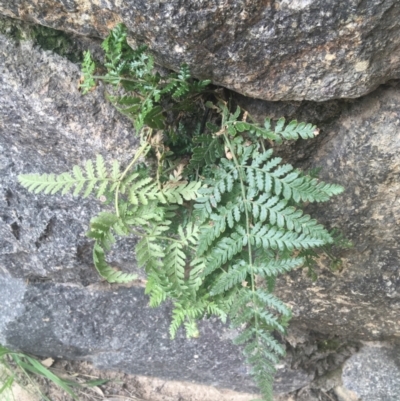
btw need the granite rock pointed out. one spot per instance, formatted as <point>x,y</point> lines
<point>113,327</point>
<point>47,126</point>
<point>272,50</point>
<point>373,374</point>
<point>359,150</point>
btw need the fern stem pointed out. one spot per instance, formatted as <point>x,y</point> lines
<point>105,78</point>
<point>253,286</point>
<point>141,150</point>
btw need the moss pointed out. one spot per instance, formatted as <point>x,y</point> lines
<point>12,28</point>
<point>328,345</point>
<point>47,38</point>
<point>57,41</point>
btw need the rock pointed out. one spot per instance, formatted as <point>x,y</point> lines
<point>114,328</point>
<point>47,126</point>
<point>272,50</point>
<point>361,151</point>
<point>46,265</point>
<point>52,302</point>
<point>344,394</point>
<point>373,374</point>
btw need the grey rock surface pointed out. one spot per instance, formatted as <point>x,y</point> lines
<point>47,126</point>
<point>272,50</point>
<point>114,328</point>
<point>361,151</point>
<point>373,374</point>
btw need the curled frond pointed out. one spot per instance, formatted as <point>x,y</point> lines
<point>107,272</point>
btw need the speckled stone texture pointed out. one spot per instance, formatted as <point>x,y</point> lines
<point>47,126</point>
<point>272,50</point>
<point>373,374</point>
<point>115,329</point>
<point>361,151</point>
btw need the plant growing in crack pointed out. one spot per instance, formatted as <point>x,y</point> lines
<point>218,216</point>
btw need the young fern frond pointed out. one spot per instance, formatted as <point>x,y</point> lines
<point>88,68</point>
<point>207,149</point>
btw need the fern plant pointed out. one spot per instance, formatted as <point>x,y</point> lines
<point>218,217</point>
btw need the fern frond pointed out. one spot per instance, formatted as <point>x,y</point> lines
<point>272,302</point>
<point>174,265</point>
<point>207,151</point>
<point>145,215</point>
<point>216,310</point>
<point>275,267</point>
<point>101,227</point>
<point>106,271</point>
<point>176,193</point>
<point>88,67</point>
<point>235,275</point>
<point>149,253</point>
<point>268,175</point>
<point>65,182</point>
<point>142,191</point>
<point>294,130</point>
<point>197,267</point>
<point>178,317</point>
<point>271,237</point>
<point>275,211</point>
<point>210,197</point>
<point>156,288</point>
<point>223,251</point>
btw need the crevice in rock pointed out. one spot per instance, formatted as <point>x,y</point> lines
<point>46,233</point>
<point>15,229</point>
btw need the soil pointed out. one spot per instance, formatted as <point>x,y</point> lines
<point>124,387</point>
<point>120,387</point>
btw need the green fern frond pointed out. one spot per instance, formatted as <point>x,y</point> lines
<point>176,193</point>
<point>294,130</point>
<point>206,150</point>
<point>178,317</point>
<point>197,267</point>
<point>275,211</point>
<point>88,67</point>
<point>174,265</point>
<point>223,251</point>
<point>149,253</point>
<point>106,271</point>
<point>156,288</point>
<point>275,267</point>
<point>284,180</point>
<point>271,237</point>
<point>272,302</point>
<point>143,191</point>
<point>234,276</point>
<point>101,228</point>
<point>66,182</point>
